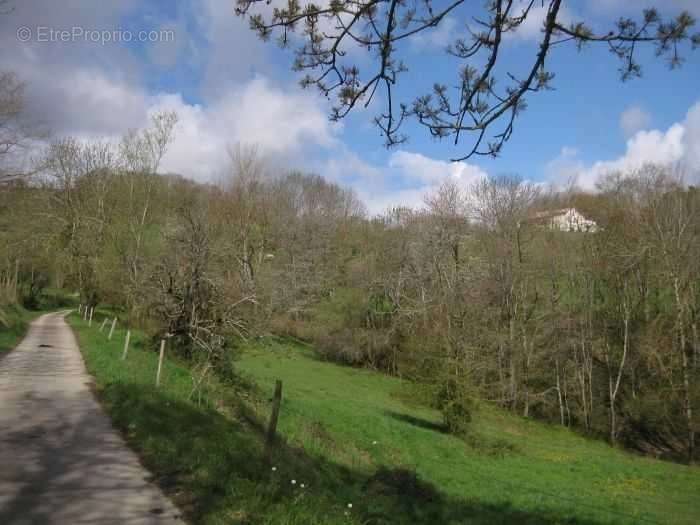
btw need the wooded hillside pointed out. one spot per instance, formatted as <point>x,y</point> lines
<point>468,297</point>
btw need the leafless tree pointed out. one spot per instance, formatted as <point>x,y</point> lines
<point>16,131</point>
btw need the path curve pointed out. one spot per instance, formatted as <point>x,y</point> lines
<point>61,461</point>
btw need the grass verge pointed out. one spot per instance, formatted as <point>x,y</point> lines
<point>354,453</point>
<point>14,323</point>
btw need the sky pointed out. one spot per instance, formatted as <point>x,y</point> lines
<point>228,87</point>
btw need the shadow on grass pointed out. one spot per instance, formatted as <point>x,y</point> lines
<point>214,469</point>
<point>417,422</point>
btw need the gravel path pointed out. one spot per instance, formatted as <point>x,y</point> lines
<point>61,462</point>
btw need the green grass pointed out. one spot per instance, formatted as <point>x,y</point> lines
<point>507,461</point>
<point>14,319</point>
<point>14,324</point>
<point>350,438</point>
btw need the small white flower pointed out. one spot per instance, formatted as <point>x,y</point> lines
<point>302,486</point>
<point>374,442</point>
<point>274,469</point>
<point>349,505</point>
<point>294,482</point>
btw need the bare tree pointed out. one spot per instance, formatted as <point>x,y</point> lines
<point>672,224</point>
<point>79,207</point>
<point>16,132</point>
<point>140,155</point>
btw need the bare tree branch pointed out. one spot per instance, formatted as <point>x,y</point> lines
<point>326,32</point>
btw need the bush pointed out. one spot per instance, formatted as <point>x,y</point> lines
<point>341,347</point>
<point>457,414</point>
<point>456,402</point>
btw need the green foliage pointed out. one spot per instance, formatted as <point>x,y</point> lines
<point>457,414</point>
<point>349,329</point>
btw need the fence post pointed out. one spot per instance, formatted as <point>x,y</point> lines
<point>272,425</point>
<point>16,277</point>
<point>85,310</point>
<point>111,330</point>
<point>102,326</point>
<point>92,310</point>
<point>160,361</point>
<point>126,344</point>
<point>80,309</point>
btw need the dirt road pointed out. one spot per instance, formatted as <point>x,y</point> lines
<point>61,462</point>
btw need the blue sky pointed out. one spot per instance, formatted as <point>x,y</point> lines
<point>229,87</point>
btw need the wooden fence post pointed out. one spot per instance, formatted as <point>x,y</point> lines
<point>85,312</point>
<point>272,425</point>
<point>92,310</point>
<point>160,361</point>
<point>111,330</point>
<point>102,326</point>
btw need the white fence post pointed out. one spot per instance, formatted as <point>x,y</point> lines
<point>111,330</point>
<point>126,344</point>
<point>160,361</point>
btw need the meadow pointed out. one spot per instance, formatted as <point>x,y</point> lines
<point>357,447</point>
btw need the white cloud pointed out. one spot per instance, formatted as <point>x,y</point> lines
<point>166,51</point>
<point>646,147</point>
<point>90,90</point>
<point>634,119</point>
<point>404,180</point>
<point>419,167</point>
<point>280,123</point>
<point>678,145</point>
<point>691,139</point>
<point>566,167</point>
<point>231,52</point>
<point>440,37</point>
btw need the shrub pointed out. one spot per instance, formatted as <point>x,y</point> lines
<point>457,414</point>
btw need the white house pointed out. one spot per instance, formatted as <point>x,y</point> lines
<point>566,219</point>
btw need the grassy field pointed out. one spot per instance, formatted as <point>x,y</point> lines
<point>354,452</point>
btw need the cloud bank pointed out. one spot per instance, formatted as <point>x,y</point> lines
<point>678,145</point>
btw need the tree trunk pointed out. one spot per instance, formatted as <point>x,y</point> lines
<point>616,388</point>
<point>685,368</point>
<point>511,348</point>
<point>696,345</point>
<point>561,400</point>
<point>526,372</point>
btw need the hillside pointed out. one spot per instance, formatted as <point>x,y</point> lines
<point>352,440</point>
